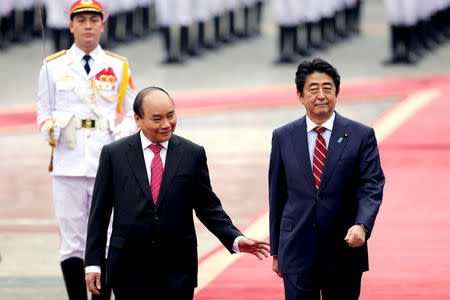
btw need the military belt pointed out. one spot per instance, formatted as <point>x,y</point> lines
<point>88,123</point>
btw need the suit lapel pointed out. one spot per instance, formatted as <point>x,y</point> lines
<point>173,158</point>
<point>335,148</point>
<point>301,152</point>
<point>135,157</point>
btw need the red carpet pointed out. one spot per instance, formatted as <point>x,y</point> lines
<point>410,247</point>
<point>24,118</point>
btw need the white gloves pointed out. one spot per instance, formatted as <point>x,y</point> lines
<point>126,128</point>
<point>56,130</point>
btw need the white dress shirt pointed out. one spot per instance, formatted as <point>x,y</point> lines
<point>312,134</point>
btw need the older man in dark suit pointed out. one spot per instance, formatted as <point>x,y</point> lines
<point>154,180</point>
<point>325,189</point>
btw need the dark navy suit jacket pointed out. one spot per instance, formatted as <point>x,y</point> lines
<point>153,246</point>
<point>308,225</point>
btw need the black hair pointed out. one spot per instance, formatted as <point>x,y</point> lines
<point>307,67</point>
<point>137,105</point>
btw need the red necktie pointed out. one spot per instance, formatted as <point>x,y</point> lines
<point>156,169</point>
<point>320,153</point>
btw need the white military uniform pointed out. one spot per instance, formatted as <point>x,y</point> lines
<point>401,12</point>
<point>286,12</point>
<point>173,12</point>
<point>311,11</point>
<point>201,11</point>
<point>65,89</point>
<point>57,13</point>
<point>6,8</point>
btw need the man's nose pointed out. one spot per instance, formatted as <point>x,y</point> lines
<point>321,94</point>
<point>166,123</point>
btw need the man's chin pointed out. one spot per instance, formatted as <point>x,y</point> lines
<point>165,137</point>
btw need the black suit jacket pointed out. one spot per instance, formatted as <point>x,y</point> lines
<point>307,225</point>
<point>150,246</point>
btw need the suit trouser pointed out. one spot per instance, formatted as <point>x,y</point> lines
<point>332,287</point>
<point>152,294</point>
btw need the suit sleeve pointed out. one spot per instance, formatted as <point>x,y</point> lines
<point>371,183</point>
<point>100,213</point>
<point>277,193</point>
<point>209,210</point>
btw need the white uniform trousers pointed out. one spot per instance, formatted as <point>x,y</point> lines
<point>72,197</point>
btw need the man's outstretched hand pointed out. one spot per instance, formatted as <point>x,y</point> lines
<point>257,248</point>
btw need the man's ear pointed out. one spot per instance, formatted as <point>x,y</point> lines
<point>299,97</point>
<point>137,120</point>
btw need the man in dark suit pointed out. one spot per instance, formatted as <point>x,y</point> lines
<point>153,181</point>
<point>325,189</point>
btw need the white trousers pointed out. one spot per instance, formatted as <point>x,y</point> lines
<point>72,197</point>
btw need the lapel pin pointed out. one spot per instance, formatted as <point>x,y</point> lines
<point>340,140</point>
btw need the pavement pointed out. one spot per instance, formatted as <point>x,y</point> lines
<point>29,238</point>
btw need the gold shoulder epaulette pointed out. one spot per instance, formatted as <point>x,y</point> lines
<point>55,55</point>
<point>115,55</point>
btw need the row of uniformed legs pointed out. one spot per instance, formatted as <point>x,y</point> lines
<point>128,26</point>
<point>410,42</point>
<point>302,40</point>
<point>181,42</point>
<point>19,26</point>
<point>72,200</point>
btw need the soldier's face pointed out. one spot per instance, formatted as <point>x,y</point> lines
<point>86,29</point>
<point>319,97</point>
<point>159,120</point>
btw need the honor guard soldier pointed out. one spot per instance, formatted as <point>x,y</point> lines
<point>58,23</point>
<point>402,16</point>
<point>6,28</point>
<point>144,6</point>
<point>287,17</point>
<point>82,93</point>
<point>125,18</point>
<point>174,16</point>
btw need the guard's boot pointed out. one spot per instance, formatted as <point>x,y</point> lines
<point>286,45</point>
<point>395,56</point>
<point>171,58</point>
<point>129,28</point>
<point>232,24</point>
<point>186,47</point>
<point>300,45</point>
<point>247,30</point>
<point>145,21</point>
<point>73,273</point>
<point>217,36</point>
<point>202,42</point>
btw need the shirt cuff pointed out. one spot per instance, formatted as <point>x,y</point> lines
<point>93,269</point>
<point>236,244</point>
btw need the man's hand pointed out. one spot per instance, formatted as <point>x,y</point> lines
<point>93,283</point>
<point>49,124</point>
<point>275,266</point>
<point>356,236</point>
<point>257,248</point>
